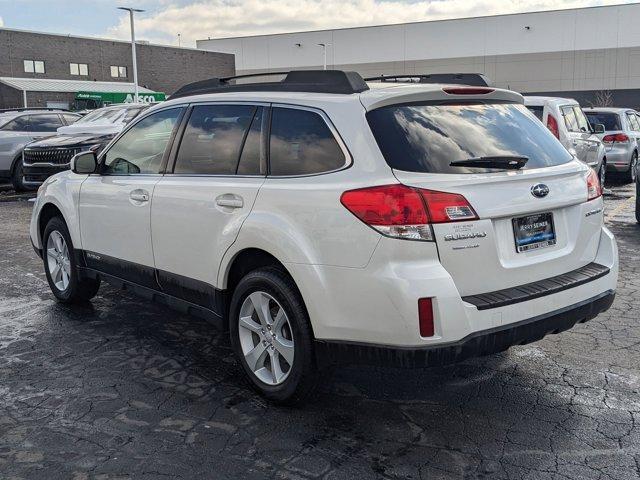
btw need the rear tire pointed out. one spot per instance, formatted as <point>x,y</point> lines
<point>61,268</point>
<point>637,199</point>
<point>271,336</point>
<point>602,173</point>
<point>630,176</point>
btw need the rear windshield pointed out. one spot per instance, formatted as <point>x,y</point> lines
<point>537,110</point>
<point>427,138</point>
<point>611,121</point>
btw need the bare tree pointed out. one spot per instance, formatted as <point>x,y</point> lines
<point>602,98</point>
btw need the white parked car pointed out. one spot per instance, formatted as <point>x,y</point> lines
<point>568,123</point>
<point>326,221</point>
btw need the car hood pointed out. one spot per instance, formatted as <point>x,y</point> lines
<point>70,140</point>
<point>92,127</point>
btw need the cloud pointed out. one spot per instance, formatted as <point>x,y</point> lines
<point>231,18</point>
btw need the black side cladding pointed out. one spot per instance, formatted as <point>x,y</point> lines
<point>312,81</point>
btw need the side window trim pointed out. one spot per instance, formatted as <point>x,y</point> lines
<point>334,132</point>
<point>139,118</point>
<point>171,165</point>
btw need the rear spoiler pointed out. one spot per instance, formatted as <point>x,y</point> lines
<point>471,79</point>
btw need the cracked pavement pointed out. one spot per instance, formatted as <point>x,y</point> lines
<point>128,389</point>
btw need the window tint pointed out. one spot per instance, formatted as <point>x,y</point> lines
<point>213,138</point>
<point>301,143</point>
<point>44,123</point>
<point>537,110</point>
<point>20,124</point>
<point>583,124</point>
<point>252,152</point>
<point>141,148</point>
<point>427,138</point>
<point>611,121</point>
<point>570,120</point>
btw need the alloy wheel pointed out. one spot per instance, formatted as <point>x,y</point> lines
<point>266,338</point>
<point>58,260</point>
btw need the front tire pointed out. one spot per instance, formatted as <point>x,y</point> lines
<point>17,177</point>
<point>638,200</point>
<point>271,336</point>
<point>61,268</point>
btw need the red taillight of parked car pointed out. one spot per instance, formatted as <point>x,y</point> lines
<point>615,138</point>
<point>552,125</point>
<point>425,317</point>
<point>594,189</point>
<point>405,212</point>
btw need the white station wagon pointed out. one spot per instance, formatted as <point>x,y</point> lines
<point>324,220</point>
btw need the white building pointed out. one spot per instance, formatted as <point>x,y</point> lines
<point>579,52</point>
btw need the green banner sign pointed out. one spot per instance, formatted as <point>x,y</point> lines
<point>106,98</point>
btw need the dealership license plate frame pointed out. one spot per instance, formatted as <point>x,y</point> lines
<point>526,241</point>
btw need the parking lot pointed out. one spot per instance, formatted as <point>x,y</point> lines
<point>127,389</point>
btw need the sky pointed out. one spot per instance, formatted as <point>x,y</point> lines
<point>164,21</point>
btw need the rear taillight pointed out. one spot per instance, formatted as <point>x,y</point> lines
<point>404,212</point>
<point>467,90</point>
<point>615,138</point>
<point>594,189</point>
<point>552,125</point>
<point>425,317</point>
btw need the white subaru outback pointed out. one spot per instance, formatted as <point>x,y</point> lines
<point>324,220</point>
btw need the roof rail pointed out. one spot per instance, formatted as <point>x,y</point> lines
<point>471,79</point>
<point>313,81</point>
<point>25,109</point>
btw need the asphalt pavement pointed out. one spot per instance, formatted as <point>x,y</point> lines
<point>126,389</point>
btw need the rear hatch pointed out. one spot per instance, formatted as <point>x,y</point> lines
<point>529,223</point>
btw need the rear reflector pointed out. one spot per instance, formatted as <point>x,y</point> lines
<point>425,317</point>
<point>594,189</point>
<point>552,125</point>
<point>467,90</point>
<point>615,138</point>
<point>405,212</point>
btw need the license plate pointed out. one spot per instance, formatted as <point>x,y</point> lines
<point>534,231</point>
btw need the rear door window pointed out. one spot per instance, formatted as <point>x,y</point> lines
<point>570,120</point>
<point>302,143</point>
<point>44,123</point>
<point>583,123</point>
<point>213,139</point>
<point>427,138</point>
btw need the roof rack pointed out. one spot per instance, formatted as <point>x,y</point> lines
<point>313,81</point>
<point>471,79</point>
<point>26,109</point>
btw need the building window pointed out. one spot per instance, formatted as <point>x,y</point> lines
<point>34,66</point>
<point>118,72</point>
<point>79,69</point>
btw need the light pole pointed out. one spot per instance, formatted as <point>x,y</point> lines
<point>324,54</point>
<point>133,48</point>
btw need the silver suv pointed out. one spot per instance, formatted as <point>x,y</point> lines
<point>20,127</point>
<point>621,138</point>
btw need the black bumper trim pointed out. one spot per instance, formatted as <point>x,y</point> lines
<point>485,342</point>
<point>541,288</point>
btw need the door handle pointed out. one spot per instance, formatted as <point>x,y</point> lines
<point>229,200</point>
<point>139,196</point>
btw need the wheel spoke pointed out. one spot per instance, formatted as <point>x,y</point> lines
<point>57,239</point>
<point>255,358</point>
<point>249,324</point>
<point>276,370</point>
<point>279,320</point>
<point>66,266</point>
<point>51,252</point>
<point>55,273</point>
<point>65,278</point>
<point>261,305</point>
<point>284,348</point>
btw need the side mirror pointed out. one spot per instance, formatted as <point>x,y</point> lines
<point>84,163</point>
<point>598,128</point>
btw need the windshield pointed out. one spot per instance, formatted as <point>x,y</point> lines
<point>104,115</point>
<point>427,138</point>
<point>611,121</point>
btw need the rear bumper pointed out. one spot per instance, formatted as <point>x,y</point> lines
<point>477,344</point>
<point>618,158</point>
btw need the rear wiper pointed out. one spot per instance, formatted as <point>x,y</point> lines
<point>511,162</point>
